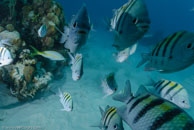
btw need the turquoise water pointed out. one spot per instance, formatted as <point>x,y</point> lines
<point>87,94</point>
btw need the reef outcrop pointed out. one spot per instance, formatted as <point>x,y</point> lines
<point>28,75</point>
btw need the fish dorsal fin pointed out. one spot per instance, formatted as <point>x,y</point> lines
<point>126,95</point>
<point>107,107</point>
<point>101,111</point>
<point>72,57</point>
<point>141,90</point>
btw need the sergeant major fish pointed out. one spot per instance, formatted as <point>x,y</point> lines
<point>129,23</point>
<point>77,66</point>
<point>171,91</point>
<point>76,34</point>
<point>66,101</point>
<point>109,84</point>
<point>110,119</point>
<point>145,111</point>
<point>5,57</point>
<point>174,53</point>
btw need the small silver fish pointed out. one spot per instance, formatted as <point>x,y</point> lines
<point>109,84</point>
<point>145,111</point>
<point>42,31</point>
<point>174,53</point>
<point>76,34</point>
<point>110,119</point>
<point>171,91</point>
<point>124,54</point>
<point>77,66</point>
<point>5,57</point>
<point>66,101</point>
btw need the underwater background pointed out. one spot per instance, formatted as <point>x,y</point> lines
<point>43,111</point>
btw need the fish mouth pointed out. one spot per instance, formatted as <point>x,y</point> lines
<point>81,32</point>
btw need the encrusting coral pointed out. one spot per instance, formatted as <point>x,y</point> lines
<point>28,75</point>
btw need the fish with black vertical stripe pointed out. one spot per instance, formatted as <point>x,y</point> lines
<point>5,56</point>
<point>110,119</point>
<point>171,91</point>
<point>174,53</point>
<point>129,23</point>
<point>145,111</point>
<point>66,101</point>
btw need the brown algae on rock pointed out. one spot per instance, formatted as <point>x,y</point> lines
<point>28,75</point>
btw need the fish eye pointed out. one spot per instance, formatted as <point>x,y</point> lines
<point>115,126</point>
<point>120,32</point>
<point>135,21</point>
<point>106,127</point>
<point>75,24</point>
<point>189,45</point>
<point>183,101</point>
<point>115,89</point>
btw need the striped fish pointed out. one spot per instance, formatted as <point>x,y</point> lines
<point>77,66</point>
<point>130,22</point>
<point>174,53</point>
<point>66,101</point>
<point>52,55</point>
<point>109,84</point>
<point>5,57</point>
<point>145,111</point>
<point>172,91</point>
<point>110,119</point>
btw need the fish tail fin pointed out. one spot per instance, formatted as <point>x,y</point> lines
<point>36,52</point>
<point>125,95</point>
<point>144,59</point>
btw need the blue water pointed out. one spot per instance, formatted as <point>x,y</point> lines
<point>166,16</point>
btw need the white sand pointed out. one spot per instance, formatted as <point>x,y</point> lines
<point>86,93</point>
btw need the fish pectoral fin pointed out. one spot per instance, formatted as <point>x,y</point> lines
<point>149,67</point>
<point>133,49</point>
<point>145,58</point>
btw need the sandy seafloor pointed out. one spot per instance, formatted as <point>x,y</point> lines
<point>87,94</point>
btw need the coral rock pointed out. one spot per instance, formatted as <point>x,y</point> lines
<point>29,73</point>
<point>1,29</point>
<point>10,27</point>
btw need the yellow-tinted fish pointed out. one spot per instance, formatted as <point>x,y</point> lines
<point>52,55</point>
<point>172,91</point>
<point>66,101</point>
<point>110,119</point>
<point>145,111</point>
